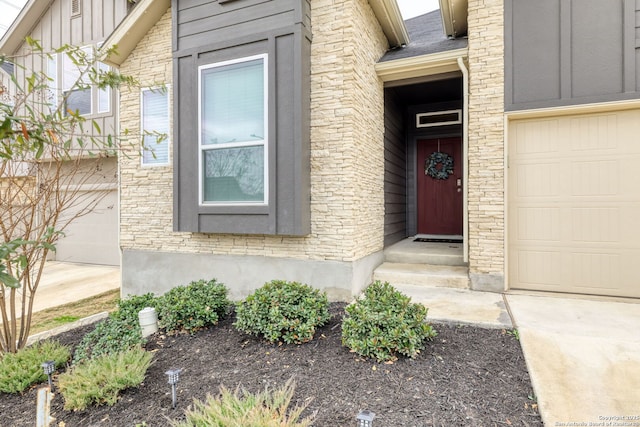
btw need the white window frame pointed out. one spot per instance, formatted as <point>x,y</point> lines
<point>265,141</point>
<point>164,90</point>
<point>95,91</point>
<point>457,121</point>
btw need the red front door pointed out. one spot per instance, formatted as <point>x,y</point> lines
<point>440,194</point>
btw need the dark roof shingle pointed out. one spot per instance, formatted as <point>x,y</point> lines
<point>426,37</point>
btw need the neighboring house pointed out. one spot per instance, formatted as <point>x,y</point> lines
<point>91,238</point>
<point>307,136</point>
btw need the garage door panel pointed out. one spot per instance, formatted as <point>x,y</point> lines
<point>92,238</point>
<point>538,224</point>
<point>538,180</point>
<point>537,268</point>
<point>573,218</point>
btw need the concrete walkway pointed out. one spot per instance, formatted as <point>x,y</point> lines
<point>583,358</point>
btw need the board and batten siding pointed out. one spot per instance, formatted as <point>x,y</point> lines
<point>57,27</point>
<point>567,52</point>
<point>395,171</point>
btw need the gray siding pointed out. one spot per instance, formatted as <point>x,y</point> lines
<point>564,52</point>
<point>208,32</point>
<point>57,27</point>
<point>395,171</point>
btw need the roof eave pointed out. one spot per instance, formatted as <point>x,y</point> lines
<point>133,28</point>
<point>21,27</point>
<point>420,66</point>
<point>390,18</point>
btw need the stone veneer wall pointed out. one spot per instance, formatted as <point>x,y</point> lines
<point>486,144</point>
<point>347,152</point>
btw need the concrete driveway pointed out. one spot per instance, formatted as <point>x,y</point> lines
<point>62,283</point>
<point>583,357</point>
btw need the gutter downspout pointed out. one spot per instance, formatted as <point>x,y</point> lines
<point>465,157</point>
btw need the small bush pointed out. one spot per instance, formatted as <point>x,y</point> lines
<point>98,381</point>
<point>129,307</point>
<point>268,409</point>
<point>385,323</point>
<point>280,310</point>
<point>192,307</point>
<point>19,370</point>
<point>109,337</point>
<point>120,332</point>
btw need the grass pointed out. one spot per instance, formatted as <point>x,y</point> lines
<point>57,316</point>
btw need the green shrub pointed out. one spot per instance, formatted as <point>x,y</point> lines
<point>99,380</point>
<point>268,409</point>
<point>109,337</point>
<point>19,370</point>
<point>129,307</point>
<point>192,307</point>
<point>280,310</point>
<point>385,323</point>
<point>120,332</point>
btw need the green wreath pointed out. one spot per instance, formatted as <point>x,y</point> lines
<point>435,159</point>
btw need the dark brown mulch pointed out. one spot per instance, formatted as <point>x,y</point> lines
<point>467,376</point>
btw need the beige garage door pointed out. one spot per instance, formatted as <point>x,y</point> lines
<point>93,238</point>
<point>574,204</point>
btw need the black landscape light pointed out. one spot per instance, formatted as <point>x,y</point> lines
<point>48,367</point>
<point>173,375</point>
<point>365,418</point>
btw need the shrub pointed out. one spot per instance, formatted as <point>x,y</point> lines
<point>120,332</point>
<point>385,323</point>
<point>290,311</point>
<point>109,337</point>
<point>192,307</point>
<point>19,370</point>
<point>99,380</point>
<point>129,307</point>
<point>268,409</point>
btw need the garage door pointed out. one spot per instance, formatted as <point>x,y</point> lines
<point>574,204</point>
<point>93,238</point>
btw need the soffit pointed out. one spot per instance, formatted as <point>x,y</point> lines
<point>390,18</point>
<point>26,20</point>
<point>144,15</point>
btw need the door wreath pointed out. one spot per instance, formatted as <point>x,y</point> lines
<point>438,158</point>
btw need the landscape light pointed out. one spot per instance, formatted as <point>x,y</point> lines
<point>365,418</point>
<point>48,367</point>
<point>173,376</point>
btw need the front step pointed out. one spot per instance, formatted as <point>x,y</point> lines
<point>423,274</point>
<point>408,251</point>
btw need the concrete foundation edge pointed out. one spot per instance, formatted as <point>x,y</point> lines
<point>487,282</point>
<point>157,272</point>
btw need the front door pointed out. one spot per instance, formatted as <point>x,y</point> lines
<point>440,186</point>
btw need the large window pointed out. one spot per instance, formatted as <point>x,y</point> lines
<point>154,113</point>
<point>233,132</point>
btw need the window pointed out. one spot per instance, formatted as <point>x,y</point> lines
<point>154,105</point>
<point>84,99</point>
<point>233,140</point>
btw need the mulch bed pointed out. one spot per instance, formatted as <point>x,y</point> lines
<point>466,376</point>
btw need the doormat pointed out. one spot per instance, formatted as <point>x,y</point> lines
<point>435,240</point>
